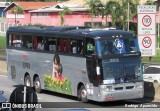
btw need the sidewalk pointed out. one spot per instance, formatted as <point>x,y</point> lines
<point>3,67</point>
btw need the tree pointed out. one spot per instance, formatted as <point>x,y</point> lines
<point>17,10</point>
<point>113,9</point>
<point>150,2</point>
<point>124,12</point>
<point>65,11</point>
<point>95,8</point>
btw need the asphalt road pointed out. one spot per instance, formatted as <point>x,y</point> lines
<point>66,103</point>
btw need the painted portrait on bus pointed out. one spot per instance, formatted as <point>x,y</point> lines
<point>57,67</point>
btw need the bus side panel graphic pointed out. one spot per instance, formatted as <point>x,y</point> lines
<point>57,82</point>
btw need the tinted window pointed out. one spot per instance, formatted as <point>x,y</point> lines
<point>38,43</point>
<point>150,70</point>
<point>50,44</point>
<point>158,70</point>
<point>27,41</point>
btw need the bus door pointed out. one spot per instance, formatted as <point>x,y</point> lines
<point>90,60</point>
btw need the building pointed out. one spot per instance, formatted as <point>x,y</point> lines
<point>47,13</point>
<point>24,17</point>
<point>3,5</point>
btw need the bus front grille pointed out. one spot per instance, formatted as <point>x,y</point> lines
<point>118,88</point>
<point>129,87</point>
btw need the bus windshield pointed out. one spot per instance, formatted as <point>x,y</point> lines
<point>116,46</point>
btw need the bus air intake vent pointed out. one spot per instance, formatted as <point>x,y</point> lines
<point>118,88</point>
<point>129,87</point>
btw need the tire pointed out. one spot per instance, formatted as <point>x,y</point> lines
<point>37,85</point>
<point>82,94</point>
<point>27,81</point>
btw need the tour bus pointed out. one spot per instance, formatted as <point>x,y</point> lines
<point>92,64</point>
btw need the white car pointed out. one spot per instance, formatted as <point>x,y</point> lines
<point>152,74</point>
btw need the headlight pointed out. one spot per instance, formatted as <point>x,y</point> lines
<point>139,86</point>
<point>106,88</point>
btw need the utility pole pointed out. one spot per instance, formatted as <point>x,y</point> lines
<point>128,16</point>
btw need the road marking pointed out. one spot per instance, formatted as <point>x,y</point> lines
<point>3,75</point>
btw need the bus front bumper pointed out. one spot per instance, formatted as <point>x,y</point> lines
<point>120,94</point>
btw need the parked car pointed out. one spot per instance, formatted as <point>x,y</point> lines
<point>152,74</point>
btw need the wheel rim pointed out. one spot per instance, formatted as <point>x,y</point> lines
<point>83,93</point>
<point>28,83</point>
<point>37,84</point>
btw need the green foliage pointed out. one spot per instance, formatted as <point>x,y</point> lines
<point>2,42</point>
<point>95,8</point>
<point>2,46</point>
<point>155,59</point>
<point>150,2</point>
<point>64,12</point>
<point>113,8</point>
<point>57,85</point>
<point>17,10</point>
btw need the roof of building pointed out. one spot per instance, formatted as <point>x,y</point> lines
<point>31,5</point>
<point>73,5</point>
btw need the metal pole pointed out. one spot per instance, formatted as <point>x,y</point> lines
<point>128,16</point>
<point>159,26</point>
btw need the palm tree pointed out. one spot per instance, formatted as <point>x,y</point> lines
<point>124,11</point>
<point>17,10</point>
<point>65,11</point>
<point>150,2</point>
<point>113,9</point>
<point>95,8</point>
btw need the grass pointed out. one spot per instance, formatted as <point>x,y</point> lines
<point>155,59</point>
<point>2,46</point>
<point>2,42</point>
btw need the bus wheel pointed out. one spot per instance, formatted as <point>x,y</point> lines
<point>82,94</point>
<point>37,85</point>
<point>27,81</point>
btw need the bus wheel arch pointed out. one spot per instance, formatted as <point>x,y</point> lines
<point>27,80</point>
<point>82,92</point>
<point>37,83</point>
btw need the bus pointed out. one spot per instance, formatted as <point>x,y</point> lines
<point>91,64</point>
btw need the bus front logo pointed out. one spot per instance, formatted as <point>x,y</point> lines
<point>118,44</point>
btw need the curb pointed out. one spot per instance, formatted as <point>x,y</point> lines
<point>2,58</point>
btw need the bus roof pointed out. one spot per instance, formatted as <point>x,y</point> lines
<point>74,31</point>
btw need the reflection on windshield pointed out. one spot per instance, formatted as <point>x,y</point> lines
<point>124,70</point>
<point>117,46</point>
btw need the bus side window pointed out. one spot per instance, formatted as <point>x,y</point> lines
<point>50,44</point>
<point>38,43</point>
<point>9,40</point>
<point>17,42</point>
<point>63,45</point>
<point>73,46</point>
<point>27,41</point>
<point>80,47</point>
